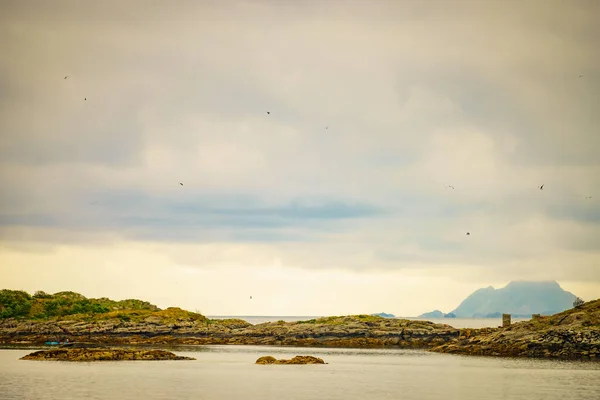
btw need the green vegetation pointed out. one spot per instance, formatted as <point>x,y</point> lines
<point>44,306</point>
<point>14,303</point>
<point>230,323</point>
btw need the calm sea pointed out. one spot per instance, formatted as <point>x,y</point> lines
<point>455,322</point>
<point>229,372</point>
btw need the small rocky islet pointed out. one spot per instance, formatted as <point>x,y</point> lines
<point>102,354</point>
<point>266,360</point>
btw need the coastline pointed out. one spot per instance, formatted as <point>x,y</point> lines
<point>70,318</point>
<point>572,335</point>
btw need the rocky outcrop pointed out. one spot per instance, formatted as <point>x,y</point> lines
<point>295,360</point>
<point>350,331</point>
<point>100,354</point>
<point>572,334</point>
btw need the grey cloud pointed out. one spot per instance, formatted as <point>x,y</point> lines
<point>113,143</point>
<point>230,217</point>
<point>410,91</point>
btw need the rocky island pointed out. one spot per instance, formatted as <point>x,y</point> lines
<point>295,360</point>
<point>98,354</point>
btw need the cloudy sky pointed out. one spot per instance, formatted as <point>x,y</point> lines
<point>337,202</point>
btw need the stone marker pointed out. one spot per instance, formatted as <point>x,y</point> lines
<point>505,320</point>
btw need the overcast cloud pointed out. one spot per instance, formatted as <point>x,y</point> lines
<point>336,202</point>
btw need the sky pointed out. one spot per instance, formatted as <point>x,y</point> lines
<point>335,202</point>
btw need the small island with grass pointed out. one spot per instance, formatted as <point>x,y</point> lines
<point>68,318</point>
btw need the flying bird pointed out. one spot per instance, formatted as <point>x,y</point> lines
<point>66,76</point>
<point>581,76</point>
<point>268,112</point>
<point>326,127</point>
<point>250,297</point>
<point>542,187</point>
<point>588,197</point>
<point>85,98</point>
<point>450,186</point>
<point>181,183</point>
<point>468,234</point>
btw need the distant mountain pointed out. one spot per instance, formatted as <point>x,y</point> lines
<point>436,314</point>
<point>432,314</point>
<point>519,298</point>
<point>384,315</point>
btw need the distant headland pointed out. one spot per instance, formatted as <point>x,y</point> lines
<point>521,299</point>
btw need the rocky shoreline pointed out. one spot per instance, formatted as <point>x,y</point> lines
<point>351,331</point>
<point>573,334</point>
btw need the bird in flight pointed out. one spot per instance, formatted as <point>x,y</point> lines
<point>250,297</point>
<point>268,112</point>
<point>588,197</point>
<point>468,234</point>
<point>450,186</point>
<point>85,99</point>
<point>326,127</point>
<point>581,76</point>
<point>66,76</point>
<point>542,187</point>
<point>181,183</point>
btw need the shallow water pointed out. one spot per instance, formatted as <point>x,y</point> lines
<point>454,322</point>
<point>229,372</point>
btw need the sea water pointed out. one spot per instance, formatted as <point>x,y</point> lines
<point>229,372</point>
<point>454,322</point>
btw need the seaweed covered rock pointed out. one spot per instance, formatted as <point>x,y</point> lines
<point>102,354</point>
<point>295,360</point>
